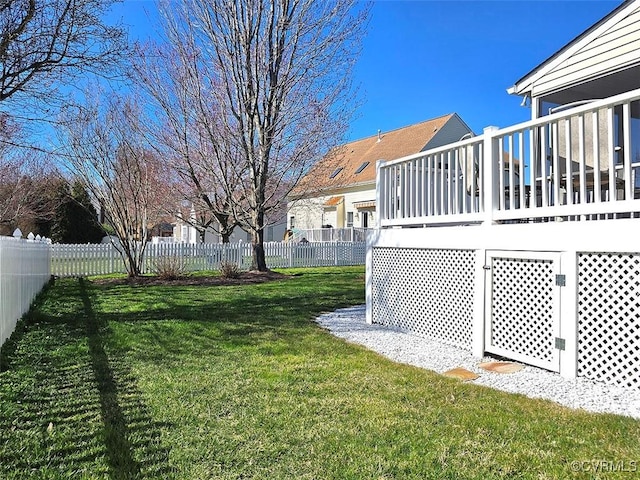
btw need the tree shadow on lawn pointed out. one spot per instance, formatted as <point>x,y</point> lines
<point>68,404</point>
<point>177,321</point>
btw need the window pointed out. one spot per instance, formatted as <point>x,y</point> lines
<point>362,167</point>
<point>335,172</point>
<point>349,219</point>
<point>292,222</point>
<point>269,234</point>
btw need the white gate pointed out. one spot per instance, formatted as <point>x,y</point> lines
<point>523,307</point>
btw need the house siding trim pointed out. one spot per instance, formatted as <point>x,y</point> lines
<point>583,58</point>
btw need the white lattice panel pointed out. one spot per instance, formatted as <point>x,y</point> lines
<point>523,308</point>
<point>609,317</point>
<point>426,291</point>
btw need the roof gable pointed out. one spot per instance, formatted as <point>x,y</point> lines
<point>591,48</point>
<point>352,157</point>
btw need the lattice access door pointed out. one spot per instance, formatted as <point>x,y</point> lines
<point>523,307</point>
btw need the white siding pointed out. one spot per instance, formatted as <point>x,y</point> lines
<point>308,212</point>
<point>311,213</point>
<point>614,48</point>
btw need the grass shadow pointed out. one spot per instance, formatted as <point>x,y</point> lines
<point>116,437</point>
<point>174,321</point>
<point>69,404</point>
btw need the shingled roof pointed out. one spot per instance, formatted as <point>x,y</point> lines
<point>354,163</point>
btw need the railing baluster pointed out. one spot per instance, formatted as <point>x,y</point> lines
<point>440,173</point>
<point>423,187</point>
<point>501,186</point>
<point>533,167</point>
<point>479,179</point>
<point>626,150</point>
<point>512,201</point>
<point>544,184</point>
<point>463,174</point>
<point>595,144</point>
<point>582,161</point>
<point>555,164</point>
<point>521,173</point>
<point>612,154</point>
<point>568,162</point>
<point>449,193</point>
<point>430,185</point>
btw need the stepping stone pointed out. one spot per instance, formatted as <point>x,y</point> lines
<point>501,367</point>
<point>461,373</point>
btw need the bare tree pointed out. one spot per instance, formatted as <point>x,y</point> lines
<point>282,70</point>
<point>103,147</point>
<point>186,132</point>
<point>44,43</point>
<point>24,179</point>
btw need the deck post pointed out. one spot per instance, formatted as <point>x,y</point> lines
<point>380,208</point>
<point>370,241</point>
<point>491,157</point>
<point>368,287</point>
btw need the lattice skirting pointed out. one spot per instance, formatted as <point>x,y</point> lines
<point>609,317</point>
<point>426,291</point>
<point>522,308</point>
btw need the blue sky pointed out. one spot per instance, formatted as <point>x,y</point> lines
<point>423,59</point>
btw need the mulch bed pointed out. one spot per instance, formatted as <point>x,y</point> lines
<point>245,278</point>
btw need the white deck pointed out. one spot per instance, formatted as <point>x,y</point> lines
<point>522,242</point>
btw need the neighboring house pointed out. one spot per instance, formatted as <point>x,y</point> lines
<point>542,267</point>
<point>339,191</point>
<point>185,232</point>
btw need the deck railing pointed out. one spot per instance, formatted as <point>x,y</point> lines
<point>578,164</point>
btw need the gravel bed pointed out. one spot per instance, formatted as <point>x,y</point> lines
<point>400,346</point>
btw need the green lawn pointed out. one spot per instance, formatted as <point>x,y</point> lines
<point>124,382</point>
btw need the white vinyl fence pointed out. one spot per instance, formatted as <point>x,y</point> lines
<point>25,267</point>
<point>104,259</point>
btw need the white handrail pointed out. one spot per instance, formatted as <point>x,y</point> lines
<point>579,161</point>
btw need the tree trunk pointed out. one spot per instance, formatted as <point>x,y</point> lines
<point>258,261</point>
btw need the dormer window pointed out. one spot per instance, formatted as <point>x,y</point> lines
<point>362,167</point>
<point>335,172</point>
